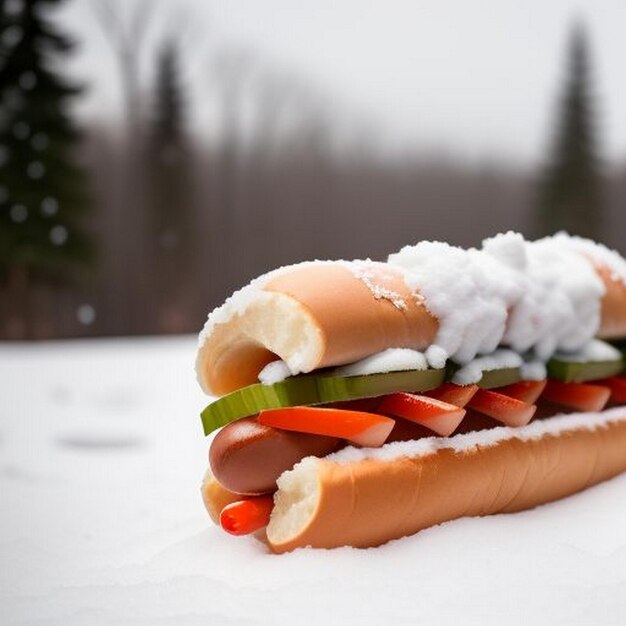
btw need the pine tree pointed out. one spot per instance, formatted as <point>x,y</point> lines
<point>570,193</point>
<point>43,196</point>
<point>170,193</point>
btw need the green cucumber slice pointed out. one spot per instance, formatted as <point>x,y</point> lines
<point>250,400</point>
<point>490,378</point>
<point>314,389</point>
<point>499,378</point>
<point>581,371</point>
<point>338,388</point>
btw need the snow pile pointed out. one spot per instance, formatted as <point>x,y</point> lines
<point>390,360</point>
<point>469,292</point>
<point>531,296</point>
<point>598,253</point>
<point>473,371</point>
<point>274,372</point>
<point>595,350</point>
<point>101,457</point>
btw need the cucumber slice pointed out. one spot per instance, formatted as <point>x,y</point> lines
<point>314,389</point>
<point>337,388</point>
<point>499,378</point>
<point>489,378</point>
<point>581,371</point>
<point>250,400</point>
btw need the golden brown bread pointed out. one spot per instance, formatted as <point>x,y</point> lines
<point>613,312</point>
<point>313,316</point>
<point>367,502</point>
<point>216,497</point>
<point>319,315</point>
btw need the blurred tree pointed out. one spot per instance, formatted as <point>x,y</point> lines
<point>43,197</point>
<point>126,32</point>
<point>570,194</point>
<point>170,191</point>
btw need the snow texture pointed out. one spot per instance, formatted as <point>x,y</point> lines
<point>528,295</point>
<point>595,350</point>
<point>101,457</point>
<point>473,371</point>
<point>274,372</point>
<point>390,360</point>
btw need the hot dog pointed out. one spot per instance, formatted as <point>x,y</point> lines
<point>247,457</point>
<point>309,318</point>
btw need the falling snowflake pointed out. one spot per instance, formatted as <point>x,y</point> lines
<point>58,235</point>
<point>21,130</point>
<point>49,206</point>
<point>39,141</point>
<point>18,213</point>
<point>11,36</point>
<point>86,314</point>
<point>35,170</point>
<point>27,80</point>
<point>14,7</point>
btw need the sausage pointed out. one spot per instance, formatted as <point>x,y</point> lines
<point>247,457</point>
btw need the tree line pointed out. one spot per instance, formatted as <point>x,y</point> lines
<point>142,231</point>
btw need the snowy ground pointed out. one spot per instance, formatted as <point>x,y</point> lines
<point>101,454</point>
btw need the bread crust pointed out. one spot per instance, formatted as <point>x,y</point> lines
<point>341,315</point>
<point>613,305</point>
<point>369,502</point>
<point>354,322</point>
<point>341,318</point>
<point>215,497</point>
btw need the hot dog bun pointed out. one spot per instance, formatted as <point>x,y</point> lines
<point>613,311</point>
<point>315,315</point>
<point>215,496</point>
<point>393,492</point>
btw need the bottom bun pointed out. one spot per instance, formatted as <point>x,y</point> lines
<point>365,497</point>
<point>216,497</point>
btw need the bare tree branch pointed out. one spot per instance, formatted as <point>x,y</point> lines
<point>127,36</point>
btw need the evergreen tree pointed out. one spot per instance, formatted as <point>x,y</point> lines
<point>570,193</point>
<point>42,188</point>
<point>170,193</point>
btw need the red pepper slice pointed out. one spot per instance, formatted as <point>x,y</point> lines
<point>505,409</point>
<point>617,386</point>
<point>578,396</point>
<point>365,429</point>
<point>526,390</point>
<point>459,395</point>
<point>440,417</point>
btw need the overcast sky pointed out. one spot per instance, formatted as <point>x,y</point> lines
<point>479,79</point>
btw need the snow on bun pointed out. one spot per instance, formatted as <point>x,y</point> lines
<point>554,294</point>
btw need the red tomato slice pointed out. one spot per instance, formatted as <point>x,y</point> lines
<point>459,395</point>
<point>505,409</point>
<point>617,386</point>
<point>245,516</point>
<point>526,390</point>
<point>579,396</point>
<point>438,416</point>
<point>365,429</point>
